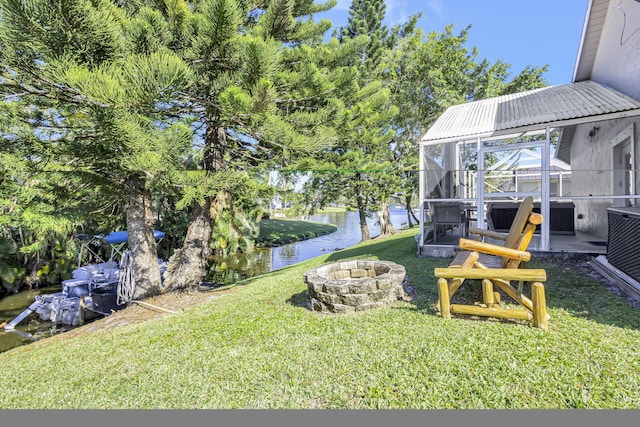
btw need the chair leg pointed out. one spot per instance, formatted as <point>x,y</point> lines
<point>443,291</point>
<point>540,319</point>
<point>487,293</point>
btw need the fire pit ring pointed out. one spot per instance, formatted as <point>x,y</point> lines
<point>352,286</point>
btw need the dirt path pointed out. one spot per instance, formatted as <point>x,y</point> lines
<point>143,311</point>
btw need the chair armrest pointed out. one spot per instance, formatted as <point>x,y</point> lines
<point>488,233</point>
<point>488,248</point>
<point>519,274</point>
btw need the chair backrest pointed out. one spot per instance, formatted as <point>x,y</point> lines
<point>446,213</point>
<point>521,231</point>
<point>519,222</point>
<point>520,234</point>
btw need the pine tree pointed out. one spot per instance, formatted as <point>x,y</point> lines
<point>97,108</point>
<point>365,18</point>
<point>365,138</point>
<point>262,93</point>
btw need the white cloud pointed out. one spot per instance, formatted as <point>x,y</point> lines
<point>398,11</point>
<point>436,7</point>
<point>343,5</point>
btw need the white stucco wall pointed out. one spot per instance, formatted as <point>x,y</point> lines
<point>592,163</point>
<point>617,63</point>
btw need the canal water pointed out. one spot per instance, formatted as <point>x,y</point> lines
<point>224,270</point>
<point>31,328</point>
<point>232,268</point>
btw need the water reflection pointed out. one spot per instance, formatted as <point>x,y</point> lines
<point>232,268</point>
<point>259,261</point>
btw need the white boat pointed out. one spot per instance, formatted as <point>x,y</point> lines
<point>93,290</point>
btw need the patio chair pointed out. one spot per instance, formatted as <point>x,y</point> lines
<point>497,265</point>
<point>449,216</point>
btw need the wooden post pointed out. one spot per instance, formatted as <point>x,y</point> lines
<point>456,282</point>
<point>443,290</point>
<point>503,313</point>
<point>513,293</point>
<point>539,306</point>
<point>483,272</point>
<point>486,248</point>
<point>487,293</point>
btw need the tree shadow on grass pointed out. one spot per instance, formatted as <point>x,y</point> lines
<point>573,287</point>
<point>364,251</point>
<point>299,300</point>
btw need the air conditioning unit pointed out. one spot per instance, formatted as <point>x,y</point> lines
<point>623,248</point>
<point>561,221</point>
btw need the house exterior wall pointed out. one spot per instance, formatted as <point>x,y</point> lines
<point>592,162</point>
<point>617,62</point>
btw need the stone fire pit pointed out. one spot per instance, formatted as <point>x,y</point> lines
<point>350,286</point>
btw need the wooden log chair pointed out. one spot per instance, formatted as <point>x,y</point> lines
<point>497,265</point>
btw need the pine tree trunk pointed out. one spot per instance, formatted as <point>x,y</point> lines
<point>364,228</point>
<point>410,214</point>
<point>384,219</point>
<point>407,206</point>
<point>362,214</point>
<point>140,239</point>
<point>187,266</point>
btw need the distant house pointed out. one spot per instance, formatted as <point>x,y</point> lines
<point>520,172</point>
<point>485,156</point>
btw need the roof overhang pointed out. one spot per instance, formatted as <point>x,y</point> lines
<point>530,112</point>
<point>591,33</point>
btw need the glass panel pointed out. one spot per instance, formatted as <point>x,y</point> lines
<point>450,171</point>
<point>513,170</point>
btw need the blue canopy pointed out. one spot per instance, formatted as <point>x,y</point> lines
<point>117,237</point>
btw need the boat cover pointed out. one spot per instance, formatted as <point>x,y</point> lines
<point>117,237</point>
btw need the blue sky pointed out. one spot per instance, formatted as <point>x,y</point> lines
<point>520,32</point>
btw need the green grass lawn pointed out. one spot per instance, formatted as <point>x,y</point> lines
<point>275,232</point>
<point>261,348</point>
<point>332,209</point>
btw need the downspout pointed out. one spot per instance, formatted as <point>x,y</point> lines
<point>480,190</point>
<point>633,164</point>
<point>421,188</point>
<point>545,205</point>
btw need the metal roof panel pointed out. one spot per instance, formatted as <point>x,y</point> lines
<point>539,106</point>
